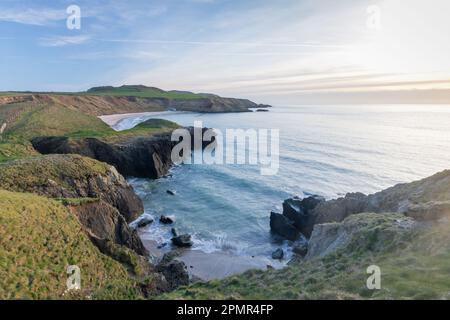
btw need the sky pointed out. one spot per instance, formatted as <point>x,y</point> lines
<point>283,51</point>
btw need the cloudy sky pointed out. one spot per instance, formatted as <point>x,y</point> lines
<point>283,51</point>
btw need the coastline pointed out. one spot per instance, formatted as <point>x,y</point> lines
<point>114,119</point>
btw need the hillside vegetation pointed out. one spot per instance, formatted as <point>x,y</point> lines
<point>142,92</point>
<point>39,239</point>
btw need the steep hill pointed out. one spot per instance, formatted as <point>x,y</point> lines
<point>39,239</point>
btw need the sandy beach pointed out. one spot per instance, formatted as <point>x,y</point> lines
<point>114,119</point>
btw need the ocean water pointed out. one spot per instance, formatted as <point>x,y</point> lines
<point>324,150</point>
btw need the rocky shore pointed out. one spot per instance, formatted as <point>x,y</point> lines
<point>310,223</point>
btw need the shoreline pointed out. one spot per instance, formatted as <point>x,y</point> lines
<point>114,119</point>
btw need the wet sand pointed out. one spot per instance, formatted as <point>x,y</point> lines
<point>219,265</point>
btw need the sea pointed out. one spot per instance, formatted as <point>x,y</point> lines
<point>323,150</point>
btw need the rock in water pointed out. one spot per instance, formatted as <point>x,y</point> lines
<point>183,241</point>
<point>278,254</point>
<point>174,232</point>
<point>172,193</point>
<point>283,227</point>
<point>167,219</point>
<point>298,210</point>
<point>144,222</point>
<point>293,210</point>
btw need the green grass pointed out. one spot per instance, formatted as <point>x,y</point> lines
<point>142,92</point>
<point>39,239</point>
<point>25,174</point>
<point>414,265</point>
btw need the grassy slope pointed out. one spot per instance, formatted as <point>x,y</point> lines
<point>24,175</point>
<point>38,240</point>
<point>414,265</point>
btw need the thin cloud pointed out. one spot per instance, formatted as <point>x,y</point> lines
<point>34,17</point>
<point>62,41</point>
<point>226,43</point>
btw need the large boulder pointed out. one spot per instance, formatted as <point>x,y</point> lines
<point>283,227</point>
<point>104,222</point>
<point>182,241</point>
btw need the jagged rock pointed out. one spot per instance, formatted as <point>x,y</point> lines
<point>429,211</point>
<point>175,273</point>
<point>106,223</point>
<point>335,210</point>
<point>142,157</point>
<point>172,193</point>
<point>300,247</point>
<point>298,210</point>
<point>283,227</point>
<point>278,254</point>
<point>182,241</point>
<point>174,232</point>
<point>144,222</point>
<point>167,219</point>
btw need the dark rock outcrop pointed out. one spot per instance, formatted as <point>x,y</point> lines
<point>105,223</point>
<point>167,219</point>
<point>424,200</point>
<point>142,157</point>
<point>295,218</point>
<point>183,241</point>
<point>278,254</point>
<point>283,227</point>
<point>143,222</point>
<point>139,157</point>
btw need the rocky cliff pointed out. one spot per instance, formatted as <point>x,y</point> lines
<point>424,200</point>
<point>142,156</point>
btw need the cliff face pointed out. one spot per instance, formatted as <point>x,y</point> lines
<point>99,202</point>
<point>71,176</point>
<point>140,157</point>
<point>100,197</point>
<point>424,200</point>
